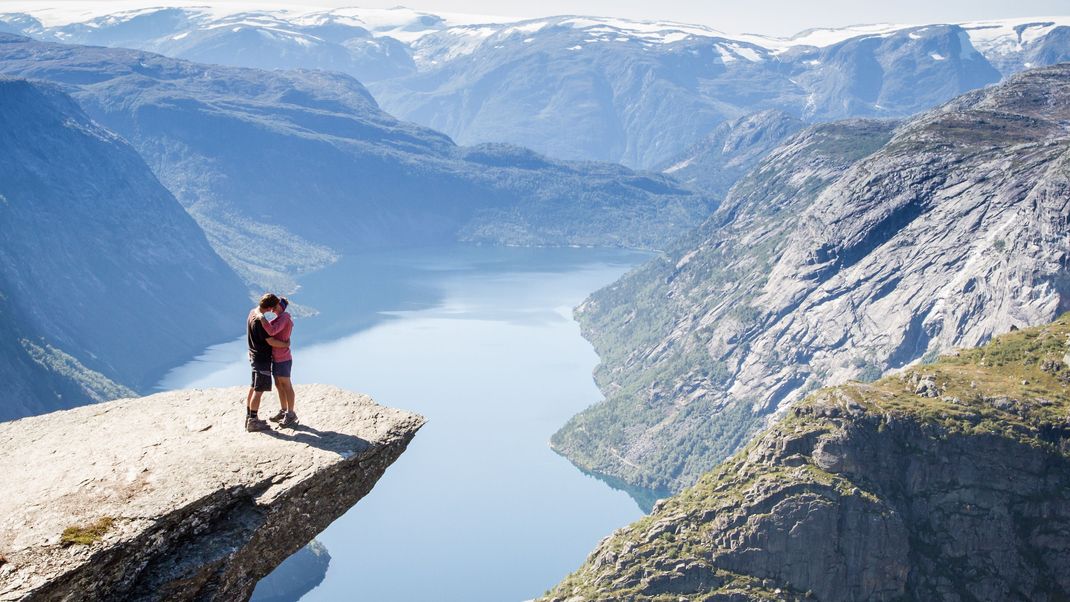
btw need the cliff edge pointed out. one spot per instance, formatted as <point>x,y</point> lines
<point>947,481</point>
<point>166,497</point>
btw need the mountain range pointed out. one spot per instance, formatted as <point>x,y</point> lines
<point>283,169</point>
<point>573,87</point>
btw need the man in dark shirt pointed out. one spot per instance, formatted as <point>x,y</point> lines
<point>260,345</point>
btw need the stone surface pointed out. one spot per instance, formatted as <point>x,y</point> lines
<point>199,508</point>
<point>875,492</point>
<point>853,248</point>
<point>731,150</point>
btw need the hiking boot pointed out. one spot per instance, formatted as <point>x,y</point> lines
<point>289,420</point>
<point>278,416</point>
<point>255,424</point>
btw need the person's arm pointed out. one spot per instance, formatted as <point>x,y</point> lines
<point>273,327</point>
<point>277,343</point>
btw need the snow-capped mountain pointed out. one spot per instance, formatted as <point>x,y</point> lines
<point>367,43</point>
<point>585,88</point>
<point>635,92</point>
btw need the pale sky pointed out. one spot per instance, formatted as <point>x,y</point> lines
<point>771,17</point>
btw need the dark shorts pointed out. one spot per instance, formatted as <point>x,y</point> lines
<point>282,368</point>
<point>261,376</point>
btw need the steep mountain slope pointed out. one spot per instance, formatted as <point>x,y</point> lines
<point>731,150</point>
<point>841,255</point>
<point>99,264</point>
<point>945,482</point>
<point>274,165</point>
<point>598,88</point>
<point>39,378</point>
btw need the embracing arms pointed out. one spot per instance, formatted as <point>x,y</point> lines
<point>273,328</point>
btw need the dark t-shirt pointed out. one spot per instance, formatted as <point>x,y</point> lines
<point>259,350</point>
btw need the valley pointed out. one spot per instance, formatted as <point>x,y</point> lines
<point>821,282</point>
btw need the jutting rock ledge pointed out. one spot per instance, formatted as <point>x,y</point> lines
<point>168,498</point>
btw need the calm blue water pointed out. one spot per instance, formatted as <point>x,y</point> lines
<point>481,341</point>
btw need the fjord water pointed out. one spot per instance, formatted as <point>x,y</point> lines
<point>481,341</point>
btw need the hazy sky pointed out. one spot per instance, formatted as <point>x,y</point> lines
<point>776,17</point>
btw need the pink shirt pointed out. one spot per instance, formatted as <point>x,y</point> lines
<point>280,328</point>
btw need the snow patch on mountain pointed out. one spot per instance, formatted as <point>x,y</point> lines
<point>1011,35</point>
<point>434,39</point>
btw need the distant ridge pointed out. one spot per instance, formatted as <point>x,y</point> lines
<point>592,87</point>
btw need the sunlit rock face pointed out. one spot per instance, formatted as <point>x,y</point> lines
<point>167,497</point>
<point>946,481</point>
<point>853,248</point>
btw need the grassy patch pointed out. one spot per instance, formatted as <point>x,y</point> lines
<point>85,535</point>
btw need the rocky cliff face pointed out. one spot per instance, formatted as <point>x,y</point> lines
<point>947,481</point>
<point>99,264</point>
<point>168,498</point>
<point>731,150</point>
<point>845,253</point>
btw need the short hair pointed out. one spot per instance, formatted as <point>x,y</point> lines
<point>268,301</point>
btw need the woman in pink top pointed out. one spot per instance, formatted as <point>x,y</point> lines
<point>280,327</point>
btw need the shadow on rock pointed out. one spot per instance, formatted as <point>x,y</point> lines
<point>340,443</point>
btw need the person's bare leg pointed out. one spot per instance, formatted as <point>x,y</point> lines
<point>282,392</point>
<point>254,400</point>
<point>286,392</point>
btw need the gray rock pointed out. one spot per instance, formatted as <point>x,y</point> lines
<point>180,514</point>
<point>904,501</point>
<point>846,253</point>
<point>732,149</point>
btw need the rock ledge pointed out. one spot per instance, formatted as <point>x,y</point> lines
<point>188,505</point>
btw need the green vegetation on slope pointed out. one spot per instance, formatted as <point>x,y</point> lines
<point>89,534</point>
<point>655,368</point>
<point>841,448</point>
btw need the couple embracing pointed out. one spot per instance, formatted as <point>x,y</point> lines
<point>269,354</point>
